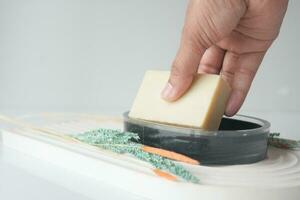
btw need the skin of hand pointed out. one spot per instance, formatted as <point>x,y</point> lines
<point>226,37</point>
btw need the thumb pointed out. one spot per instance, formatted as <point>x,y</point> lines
<point>183,70</point>
<point>206,23</point>
<point>186,62</point>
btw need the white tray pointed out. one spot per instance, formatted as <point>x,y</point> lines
<point>277,177</point>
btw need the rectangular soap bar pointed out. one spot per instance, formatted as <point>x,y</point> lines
<point>202,106</point>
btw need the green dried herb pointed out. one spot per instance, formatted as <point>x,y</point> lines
<point>124,142</point>
<point>283,143</point>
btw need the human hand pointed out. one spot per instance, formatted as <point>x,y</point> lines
<point>226,37</point>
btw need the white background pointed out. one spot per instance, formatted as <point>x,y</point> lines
<point>91,55</point>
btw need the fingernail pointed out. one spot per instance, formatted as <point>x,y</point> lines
<point>229,112</point>
<point>168,93</point>
<point>233,105</point>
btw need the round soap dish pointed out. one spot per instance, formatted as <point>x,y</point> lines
<point>239,140</point>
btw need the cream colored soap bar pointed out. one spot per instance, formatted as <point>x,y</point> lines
<point>202,106</point>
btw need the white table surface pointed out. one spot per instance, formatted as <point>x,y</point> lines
<point>25,177</point>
